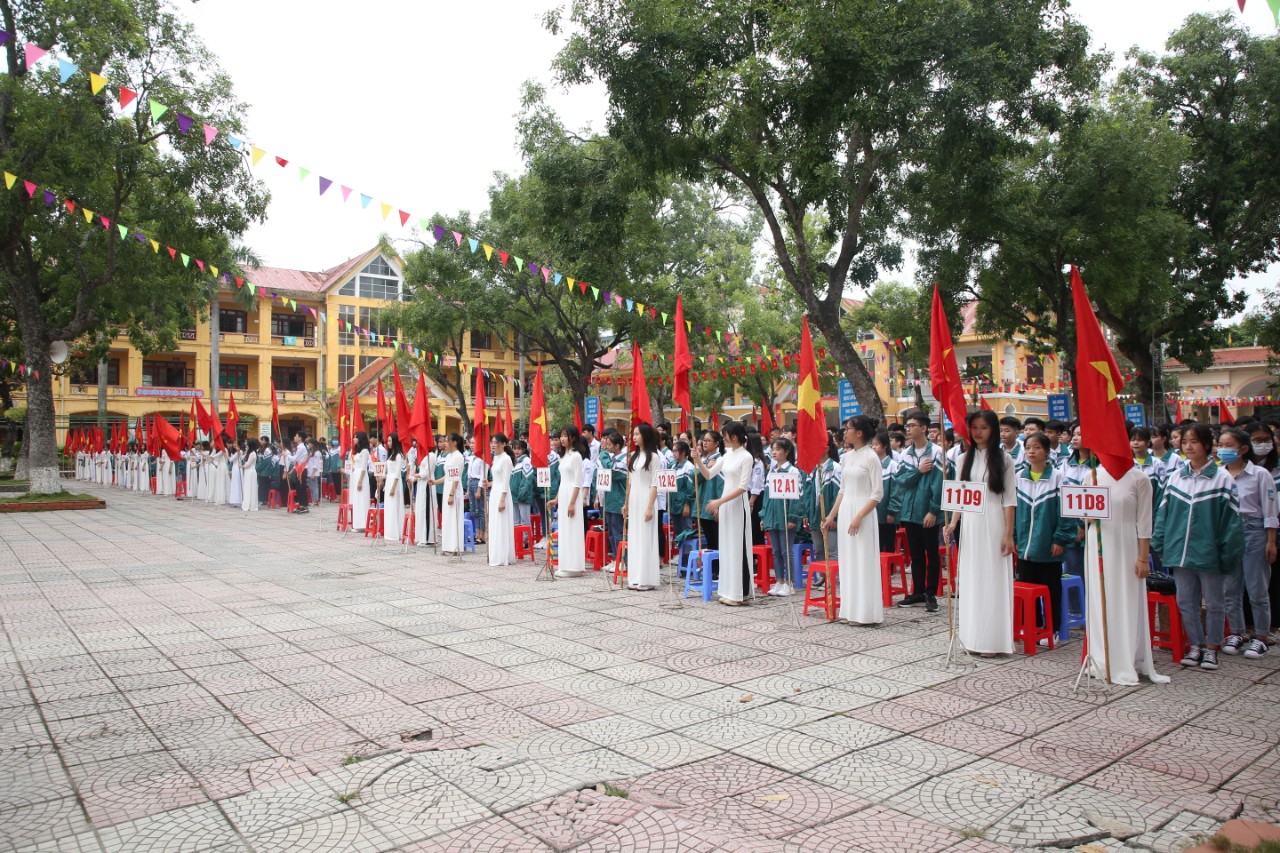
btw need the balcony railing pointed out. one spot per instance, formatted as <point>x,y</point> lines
<point>292,341</point>
<point>247,395</point>
<point>237,338</point>
<point>92,390</point>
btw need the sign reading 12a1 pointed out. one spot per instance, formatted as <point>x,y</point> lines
<point>961,496</point>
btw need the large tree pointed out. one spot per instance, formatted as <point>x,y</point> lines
<point>62,280</point>
<point>820,109</point>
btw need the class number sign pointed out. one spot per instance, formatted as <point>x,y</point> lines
<point>784,487</point>
<point>666,481</point>
<point>544,477</point>
<point>1092,502</point>
<point>962,496</point>
<point>604,480</point>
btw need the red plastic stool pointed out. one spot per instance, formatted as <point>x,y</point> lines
<point>762,559</point>
<point>326,490</point>
<point>153,485</point>
<point>900,544</point>
<point>1175,639</point>
<point>619,564</point>
<point>535,521</point>
<point>346,518</point>
<point>344,499</point>
<point>273,499</point>
<point>524,542</point>
<point>888,589</point>
<point>409,530</point>
<point>596,551</point>
<point>293,501</point>
<point>180,490</point>
<point>947,575</point>
<point>670,542</point>
<point>373,526</point>
<point>829,569</point>
<point>1027,598</point>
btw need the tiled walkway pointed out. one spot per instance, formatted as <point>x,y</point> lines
<point>178,677</point>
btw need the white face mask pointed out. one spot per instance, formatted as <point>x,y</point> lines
<point>1261,448</point>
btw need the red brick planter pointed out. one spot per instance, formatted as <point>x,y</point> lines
<point>51,506</point>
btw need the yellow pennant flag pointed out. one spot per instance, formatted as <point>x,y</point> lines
<point>258,154</point>
<point>386,209</point>
<point>96,82</point>
<point>9,179</point>
<point>214,270</point>
<point>488,252</point>
<point>88,214</point>
<point>155,246</point>
<point>569,283</point>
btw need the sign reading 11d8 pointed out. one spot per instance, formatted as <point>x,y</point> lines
<point>961,496</point>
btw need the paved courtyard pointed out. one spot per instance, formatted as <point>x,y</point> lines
<point>178,677</point>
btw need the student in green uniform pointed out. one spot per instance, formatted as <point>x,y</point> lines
<point>613,458</point>
<point>887,521</point>
<point>712,448</point>
<point>523,480</point>
<point>781,518</point>
<point>824,476</point>
<point>680,502</point>
<point>1040,532</point>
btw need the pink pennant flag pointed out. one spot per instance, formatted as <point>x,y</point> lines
<point>200,264</point>
<point>346,193</point>
<point>34,53</point>
<point>457,238</point>
<point>31,189</point>
<point>209,133</point>
<point>404,218</point>
<point>106,223</point>
<point>546,276</point>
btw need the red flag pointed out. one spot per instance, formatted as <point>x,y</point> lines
<point>1177,412</point>
<point>137,431</point>
<point>1098,384</point>
<point>192,422</point>
<point>641,410</point>
<point>577,417</point>
<point>344,424</point>
<point>498,425</point>
<point>943,371</point>
<point>683,361</point>
<point>684,420</point>
<point>811,418</point>
<point>215,423</point>
<point>1224,414</point>
<point>984,405</point>
<point>205,421</point>
<point>382,409</point>
<point>403,413</point>
<point>715,419</point>
<point>233,415</point>
<point>275,411</point>
<point>511,423</point>
<point>539,439</point>
<point>420,420</point>
<point>766,418</point>
<point>480,424</point>
<point>169,439</point>
<point>357,417</point>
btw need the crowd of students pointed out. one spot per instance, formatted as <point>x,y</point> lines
<point>1197,513</point>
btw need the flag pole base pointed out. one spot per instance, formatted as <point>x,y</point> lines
<point>789,620</point>
<point>545,572</point>
<point>957,656</point>
<point>671,595</point>
<point>1086,681</point>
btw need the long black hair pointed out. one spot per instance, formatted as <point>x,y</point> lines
<point>394,448</point>
<point>576,441</point>
<point>362,441</point>
<point>457,441</point>
<point>996,463</point>
<point>737,430</point>
<point>716,437</point>
<point>1259,428</point>
<point>786,447</point>
<point>648,444</point>
<point>501,440</point>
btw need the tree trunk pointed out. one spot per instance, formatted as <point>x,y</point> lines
<point>851,366</point>
<point>215,351</point>
<point>39,443</point>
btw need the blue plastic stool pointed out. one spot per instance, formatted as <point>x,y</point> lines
<point>700,575</point>
<point>801,554</point>
<point>688,555</point>
<point>1072,618</point>
<point>469,535</point>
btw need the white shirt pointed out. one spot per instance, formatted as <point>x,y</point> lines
<point>475,468</point>
<point>1257,494</point>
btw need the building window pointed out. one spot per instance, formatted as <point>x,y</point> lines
<point>1035,370</point>
<point>233,375</point>
<point>289,378</point>
<point>371,321</point>
<point>376,281</point>
<point>347,314</point>
<point>233,320</point>
<point>291,326</point>
<point>869,361</point>
<point>346,368</point>
<point>167,374</point>
<point>88,374</point>
<point>481,340</point>
<point>366,360</point>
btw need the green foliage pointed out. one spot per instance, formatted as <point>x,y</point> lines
<point>818,112</point>
<point>16,415</point>
<point>898,311</point>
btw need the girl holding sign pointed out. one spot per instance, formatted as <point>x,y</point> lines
<point>985,566</point>
<point>641,510</point>
<point>780,516</point>
<point>861,489</point>
<point>502,533</point>
<point>360,479</point>
<point>451,531</point>
<point>570,508</point>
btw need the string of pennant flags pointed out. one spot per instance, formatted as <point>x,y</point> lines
<point>188,122</point>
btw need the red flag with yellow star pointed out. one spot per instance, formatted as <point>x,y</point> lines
<point>944,373</point>
<point>811,419</point>
<point>1098,384</point>
<point>539,439</point>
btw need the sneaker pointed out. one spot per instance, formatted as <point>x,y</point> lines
<point>1210,659</point>
<point>1269,639</point>
<point>781,589</point>
<point>911,601</point>
<point>930,604</point>
<point>1231,645</point>
<point>1193,656</point>
<point>1256,649</point>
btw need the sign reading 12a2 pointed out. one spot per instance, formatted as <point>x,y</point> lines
<point>961,496</point>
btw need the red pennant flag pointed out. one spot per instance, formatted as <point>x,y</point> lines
<point>600,417</point>
<point>382,409</point>
<point>215,423</point>
<point>641,410</point>
<point>1224,414</point>
<point>811,418</point>
<point>420,420</point>
<point>943,371</point>
<point>683,362</point>
<point>1099,381</point>
<point>206,420</point>
<point>233,415</point>
<point>275,412</point>
<point>480,424</point>
<point>539,439</point>
<point>403,413</point>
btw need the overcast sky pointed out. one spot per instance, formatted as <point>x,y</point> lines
<point>413,103</point>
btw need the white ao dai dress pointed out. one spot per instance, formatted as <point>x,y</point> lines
<point>393,500</point>
<point>642,536</point>
<point>358,491</point>
<point>983,575</point>
<point>451,532</point>
<point>861,594</point>
<point>501,532</point>
<point>571,543</point>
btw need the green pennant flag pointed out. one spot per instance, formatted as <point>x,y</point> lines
<point>302,173</point>
<point>519,263</point>
<point>124,232</point>
<point>186,259</point>
<point>595,293</point>
<point>157,109</point>
<point>250,285</point>
<point>664,318</point>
